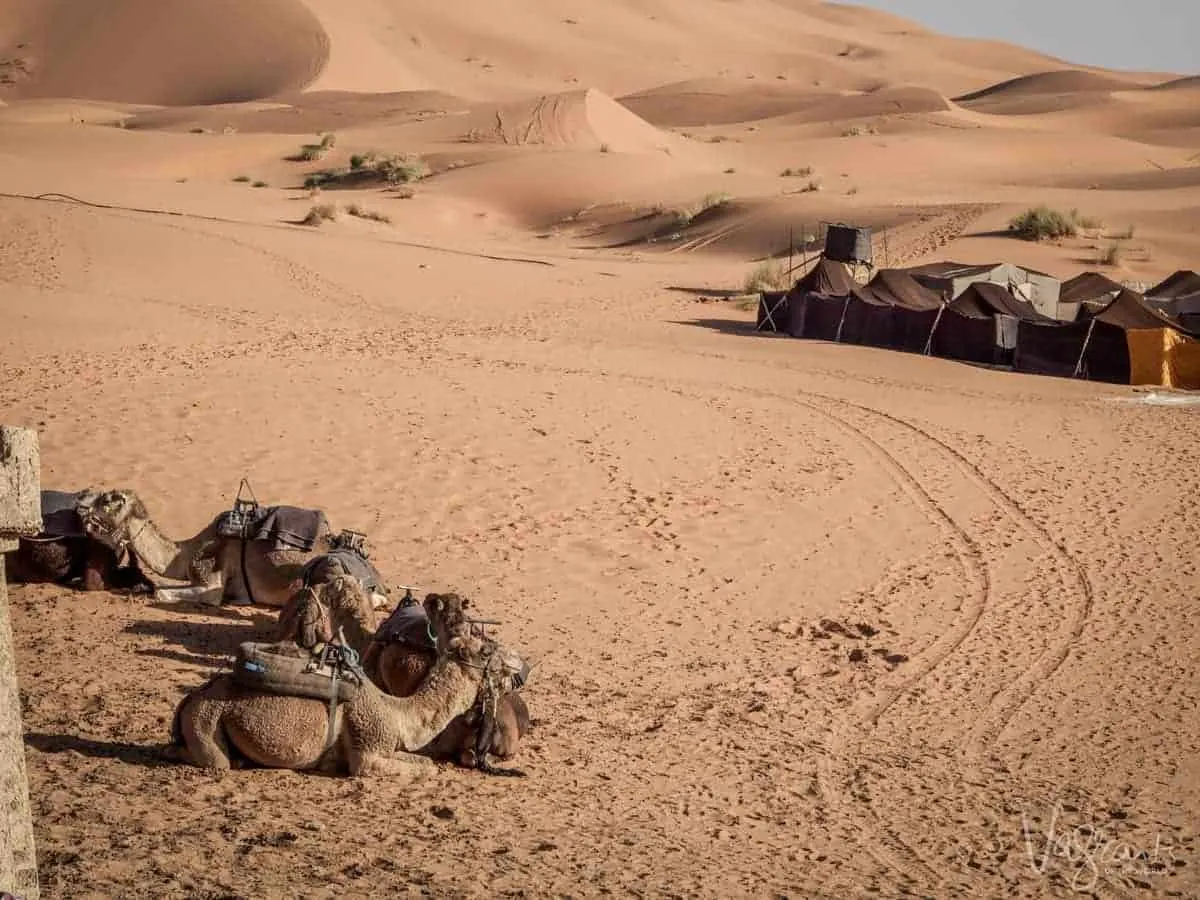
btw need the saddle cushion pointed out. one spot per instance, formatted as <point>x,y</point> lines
<point>291,671</point>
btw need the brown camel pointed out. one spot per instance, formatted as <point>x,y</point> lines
<point>64,554</point>
<point>371,734</point>
<point>315,616</point>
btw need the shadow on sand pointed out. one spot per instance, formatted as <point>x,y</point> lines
<point>205,643</point>
<point>148,755</point>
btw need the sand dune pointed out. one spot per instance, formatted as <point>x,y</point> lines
<point>891,101</point>
<point>1190,83</point>
<point>1067,81</point>
<point>578,120</point>
<point>810,619</point>
<point>203,52</point>
<point>721,101</point>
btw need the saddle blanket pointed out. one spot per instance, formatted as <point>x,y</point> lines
<point>407,625</point>
<point>284,527</point>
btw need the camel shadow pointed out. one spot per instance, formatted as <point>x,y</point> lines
<point>205,644</point>
<point>149,756</point>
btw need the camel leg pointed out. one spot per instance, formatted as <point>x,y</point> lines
<point>204,741</point>
<point>402,765</point>
<point>98,567</point>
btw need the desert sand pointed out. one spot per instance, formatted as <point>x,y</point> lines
<point>810,620</point>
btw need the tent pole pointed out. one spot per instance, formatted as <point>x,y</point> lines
<point>791,244</point>
<point>1083,351</point>
<point>937,319</point>
<point>842,321</point>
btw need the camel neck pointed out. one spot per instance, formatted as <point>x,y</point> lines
<point>448,691</point>
<point>165,557</point>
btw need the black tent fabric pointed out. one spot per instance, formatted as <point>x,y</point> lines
<point>915,308</point>
<point>996,299</point>
<point>817,316</point>
<point>1056,349</point>
<point>868,321</point>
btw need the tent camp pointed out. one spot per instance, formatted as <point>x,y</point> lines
<point>952,278</point>
<point>827,277</point>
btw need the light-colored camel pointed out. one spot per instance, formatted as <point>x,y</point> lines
<point>207,567</point>
<point>372,734</point>
<point>315,616</point>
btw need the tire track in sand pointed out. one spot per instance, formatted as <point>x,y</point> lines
<point>837,768</point>
<point>891,849</point>
<point>1071,576</point>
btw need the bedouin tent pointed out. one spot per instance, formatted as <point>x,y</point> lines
<point>775,313</point>
<point>914,308</point>
<point>1178,298</point>
<point>981,325</point>
<point>952,279</point>
<point>1131,341</point>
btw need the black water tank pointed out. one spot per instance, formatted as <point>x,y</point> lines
<point>846,244</point>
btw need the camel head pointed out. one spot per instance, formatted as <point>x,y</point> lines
<point>350,609</point>
<point>455,635</point>
<point>112,516</point>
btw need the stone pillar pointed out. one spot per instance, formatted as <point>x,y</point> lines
<point>20,514</point>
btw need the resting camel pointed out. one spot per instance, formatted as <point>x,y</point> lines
<point>218,567</point>
<point>371,734</point>
<point>63,553</point>
<point>314,616</point>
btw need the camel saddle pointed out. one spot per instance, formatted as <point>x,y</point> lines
<point>408,624</point>
<point>343,561</point>
<point>332,674</point>
<point>284,527</point>
<point>62,514</point>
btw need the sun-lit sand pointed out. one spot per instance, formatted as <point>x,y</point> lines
<point>810,620</point>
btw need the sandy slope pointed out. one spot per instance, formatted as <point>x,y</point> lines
<point>812,620</point>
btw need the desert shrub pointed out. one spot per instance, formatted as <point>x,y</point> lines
<point>860,130</point>
<point>684,216</point>
<point>811,187</point>
<point>771,275</point>
<point>367,167</point>
<point>242,179</point>
<point>261,184</point>
<point>1041,223</point>
<point>322,212</point>
<point>312,152</point>
<point>1113,254</point>
<point>361,212</point>
<point>803,172</point>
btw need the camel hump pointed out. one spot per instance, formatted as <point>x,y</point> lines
<point>291,671</point>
